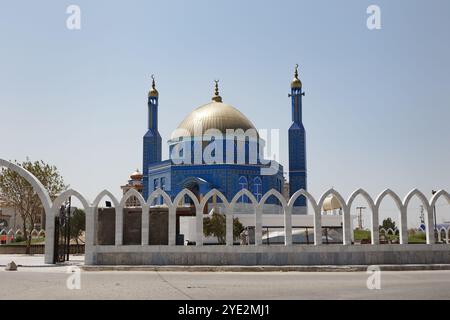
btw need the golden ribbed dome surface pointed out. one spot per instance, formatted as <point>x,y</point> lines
<point>214,115</point>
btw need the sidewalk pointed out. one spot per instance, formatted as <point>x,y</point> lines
<point>36,260</point>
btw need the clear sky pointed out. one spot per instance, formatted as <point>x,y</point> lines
<point>376,111</point>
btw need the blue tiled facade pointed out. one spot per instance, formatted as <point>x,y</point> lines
<point>297,147</point>
<point>151,143</point>
<point>229,177</point>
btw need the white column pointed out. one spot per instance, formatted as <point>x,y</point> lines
<point>317,226</point>
<point>229,225</point>
<point>375,232</point>
<point>90,235</point>
<point>172,225</point>
<point>287,226</point>
<point>49,236</point>
<point>403,226</point>
<point>346,225</point>
<point>199,226</point>
<point>95,224</point>
<point>430,226</point>
<point>145,226</point>
<point>258,226</point>
<point>119,225</point>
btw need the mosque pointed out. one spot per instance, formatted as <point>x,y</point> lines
<point>218,147</point>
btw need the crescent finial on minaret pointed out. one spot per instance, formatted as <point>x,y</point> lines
<point>296,83</point>
<point>153,92</point>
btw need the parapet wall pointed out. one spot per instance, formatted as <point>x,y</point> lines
<point>273,255</point>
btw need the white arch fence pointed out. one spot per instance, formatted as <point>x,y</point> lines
<point>52,210</point>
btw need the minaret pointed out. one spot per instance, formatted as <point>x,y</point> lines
<point>152,139</point>
<point>297,142</point>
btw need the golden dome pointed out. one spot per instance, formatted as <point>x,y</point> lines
<point>136,175</point>
<point>296,83</point>
<point>153,92</point>
<point>214,115</point>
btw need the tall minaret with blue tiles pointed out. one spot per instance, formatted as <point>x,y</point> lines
<point>297,142</point>
<point>152,139</point>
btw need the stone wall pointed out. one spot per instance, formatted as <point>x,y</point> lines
<point>158,226</point>
<point>274,255</point>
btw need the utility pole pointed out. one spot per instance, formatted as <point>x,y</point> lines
<point>360,222</point>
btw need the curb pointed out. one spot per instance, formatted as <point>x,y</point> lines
<point>318,268</point>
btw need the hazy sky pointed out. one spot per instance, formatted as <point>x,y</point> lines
<point>376,111</point>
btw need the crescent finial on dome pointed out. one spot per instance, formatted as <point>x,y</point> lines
<point>216,97</point>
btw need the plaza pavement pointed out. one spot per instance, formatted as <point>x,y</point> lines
<point>40,281</point>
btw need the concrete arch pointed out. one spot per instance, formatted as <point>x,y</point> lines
<point>159,193</point>
<point>389,231</point>
<point>286,213</point>
<point>64,196</point>
<point>317,213</point>
<point>334,193</point>
<point>129,194</point>
<point>437,195</point>
<point>228,213</point>
<point>403,229</point>
<point>38,187</point>
<point>429,218</point>
<point>93,222</point>
<point>393,195</point>
<point>212,193</point>
<point>364,194</point>
<point>50,223</point>
<point>276,194</point>
<point>191,195</point>
<point>346,223</point>
<point>429,222</point>
<point>243,192</point>
<point>304,193</point>
<point>103,194</point>
<point>419,194</point>
<point>171,218</point>
<point>234,201</point>
<point>198,213</point>
<point>374,221</point>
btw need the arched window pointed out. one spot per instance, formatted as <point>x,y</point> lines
<point>257,188</point>
<point>243,184</point>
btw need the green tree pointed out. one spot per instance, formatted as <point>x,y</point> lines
<point>77,225</point>
<point>388,224</point>
<point>17,193</point>
<point>216,226</point>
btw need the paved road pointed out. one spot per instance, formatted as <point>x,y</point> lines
<point>50,283</point>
